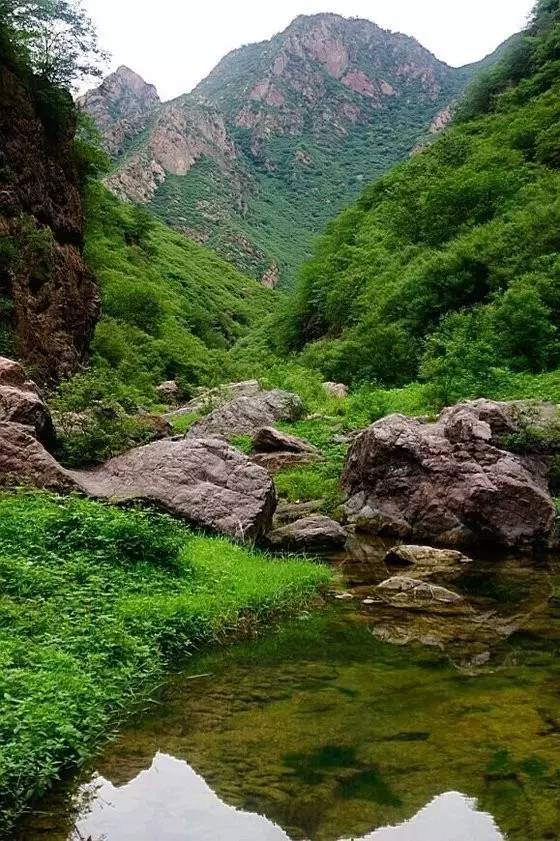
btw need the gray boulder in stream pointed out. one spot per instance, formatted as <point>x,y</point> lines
<point>450,482</point>
<point>203,480</point>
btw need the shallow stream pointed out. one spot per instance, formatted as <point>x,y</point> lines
<point>357,722</point>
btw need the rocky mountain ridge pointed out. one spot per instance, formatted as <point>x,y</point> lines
<point>320,109</point>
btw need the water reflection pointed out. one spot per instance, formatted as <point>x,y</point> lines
<point>328,730</point>
<point>171,802</point>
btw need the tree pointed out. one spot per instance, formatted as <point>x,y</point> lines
<point>56,37</point>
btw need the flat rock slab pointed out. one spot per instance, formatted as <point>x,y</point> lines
<point>205,481</point>
<point>450,482</point>
<point>245,415</point>
<point>310,533</point>
<point>427,561</point>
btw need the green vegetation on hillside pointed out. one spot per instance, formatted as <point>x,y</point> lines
<point>171,309</point>
<point>95,602</point>
<point>290,201</point>
<point>449,267</point>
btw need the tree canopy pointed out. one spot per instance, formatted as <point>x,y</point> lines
<point>56,38</point>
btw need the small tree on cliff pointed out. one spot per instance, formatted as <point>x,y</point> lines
<point>57,38</point>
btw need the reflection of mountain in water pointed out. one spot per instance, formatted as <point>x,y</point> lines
<point>171,802</point>
<point>331,733</point>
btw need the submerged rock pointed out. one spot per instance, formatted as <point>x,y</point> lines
<point>314,532</point>
<point>450,482</point>
<point>203,480</point>
<point>411,593</point>
<point>245,415</point>
<point>21,402</point>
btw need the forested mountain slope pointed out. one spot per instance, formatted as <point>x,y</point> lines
<point>449,266</point>
<point>279,137</point>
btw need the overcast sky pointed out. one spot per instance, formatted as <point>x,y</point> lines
<point>175,43</point>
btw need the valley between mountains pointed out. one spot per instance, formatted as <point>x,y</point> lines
<point>278,138</point>
<point>279,366</point>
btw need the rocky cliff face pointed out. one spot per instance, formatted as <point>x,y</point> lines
<point>277,138</point>
<point>48,298</point>
<point>120,106</point>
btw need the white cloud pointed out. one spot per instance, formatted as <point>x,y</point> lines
<point>175,43</point>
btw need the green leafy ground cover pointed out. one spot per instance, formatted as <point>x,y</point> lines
<point>96,602</point>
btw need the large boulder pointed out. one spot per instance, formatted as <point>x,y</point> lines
<point>24,461</point>
<point>450,482</point>
<point>211,398</point>
<point>205,481</point>
<point>21,402</point>
<point>310,533</point>
<point>245,415</point>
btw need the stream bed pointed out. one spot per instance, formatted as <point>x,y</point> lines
<point>359,721</point>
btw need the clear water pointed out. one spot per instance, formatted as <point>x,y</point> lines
<point>358,722</point>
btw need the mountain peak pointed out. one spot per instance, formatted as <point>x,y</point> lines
<point>120,106</point>
<point>322,107</point>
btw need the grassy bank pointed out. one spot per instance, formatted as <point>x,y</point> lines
<point>95,603</point>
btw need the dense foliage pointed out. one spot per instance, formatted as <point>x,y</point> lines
<point>449,267</point>
<point>170,310</point>
<point>56,38</point>
<point>94,602</point>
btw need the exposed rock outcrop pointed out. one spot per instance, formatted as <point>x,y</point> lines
<point>311,533</point>
<point>53,294</point>
<point>245,415</point>
<point>168,391</point>
<point>21,402</point>
<point>450,482</point>
<point>120,106</point>
<point>203,480</point>
<point>24,461</point>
